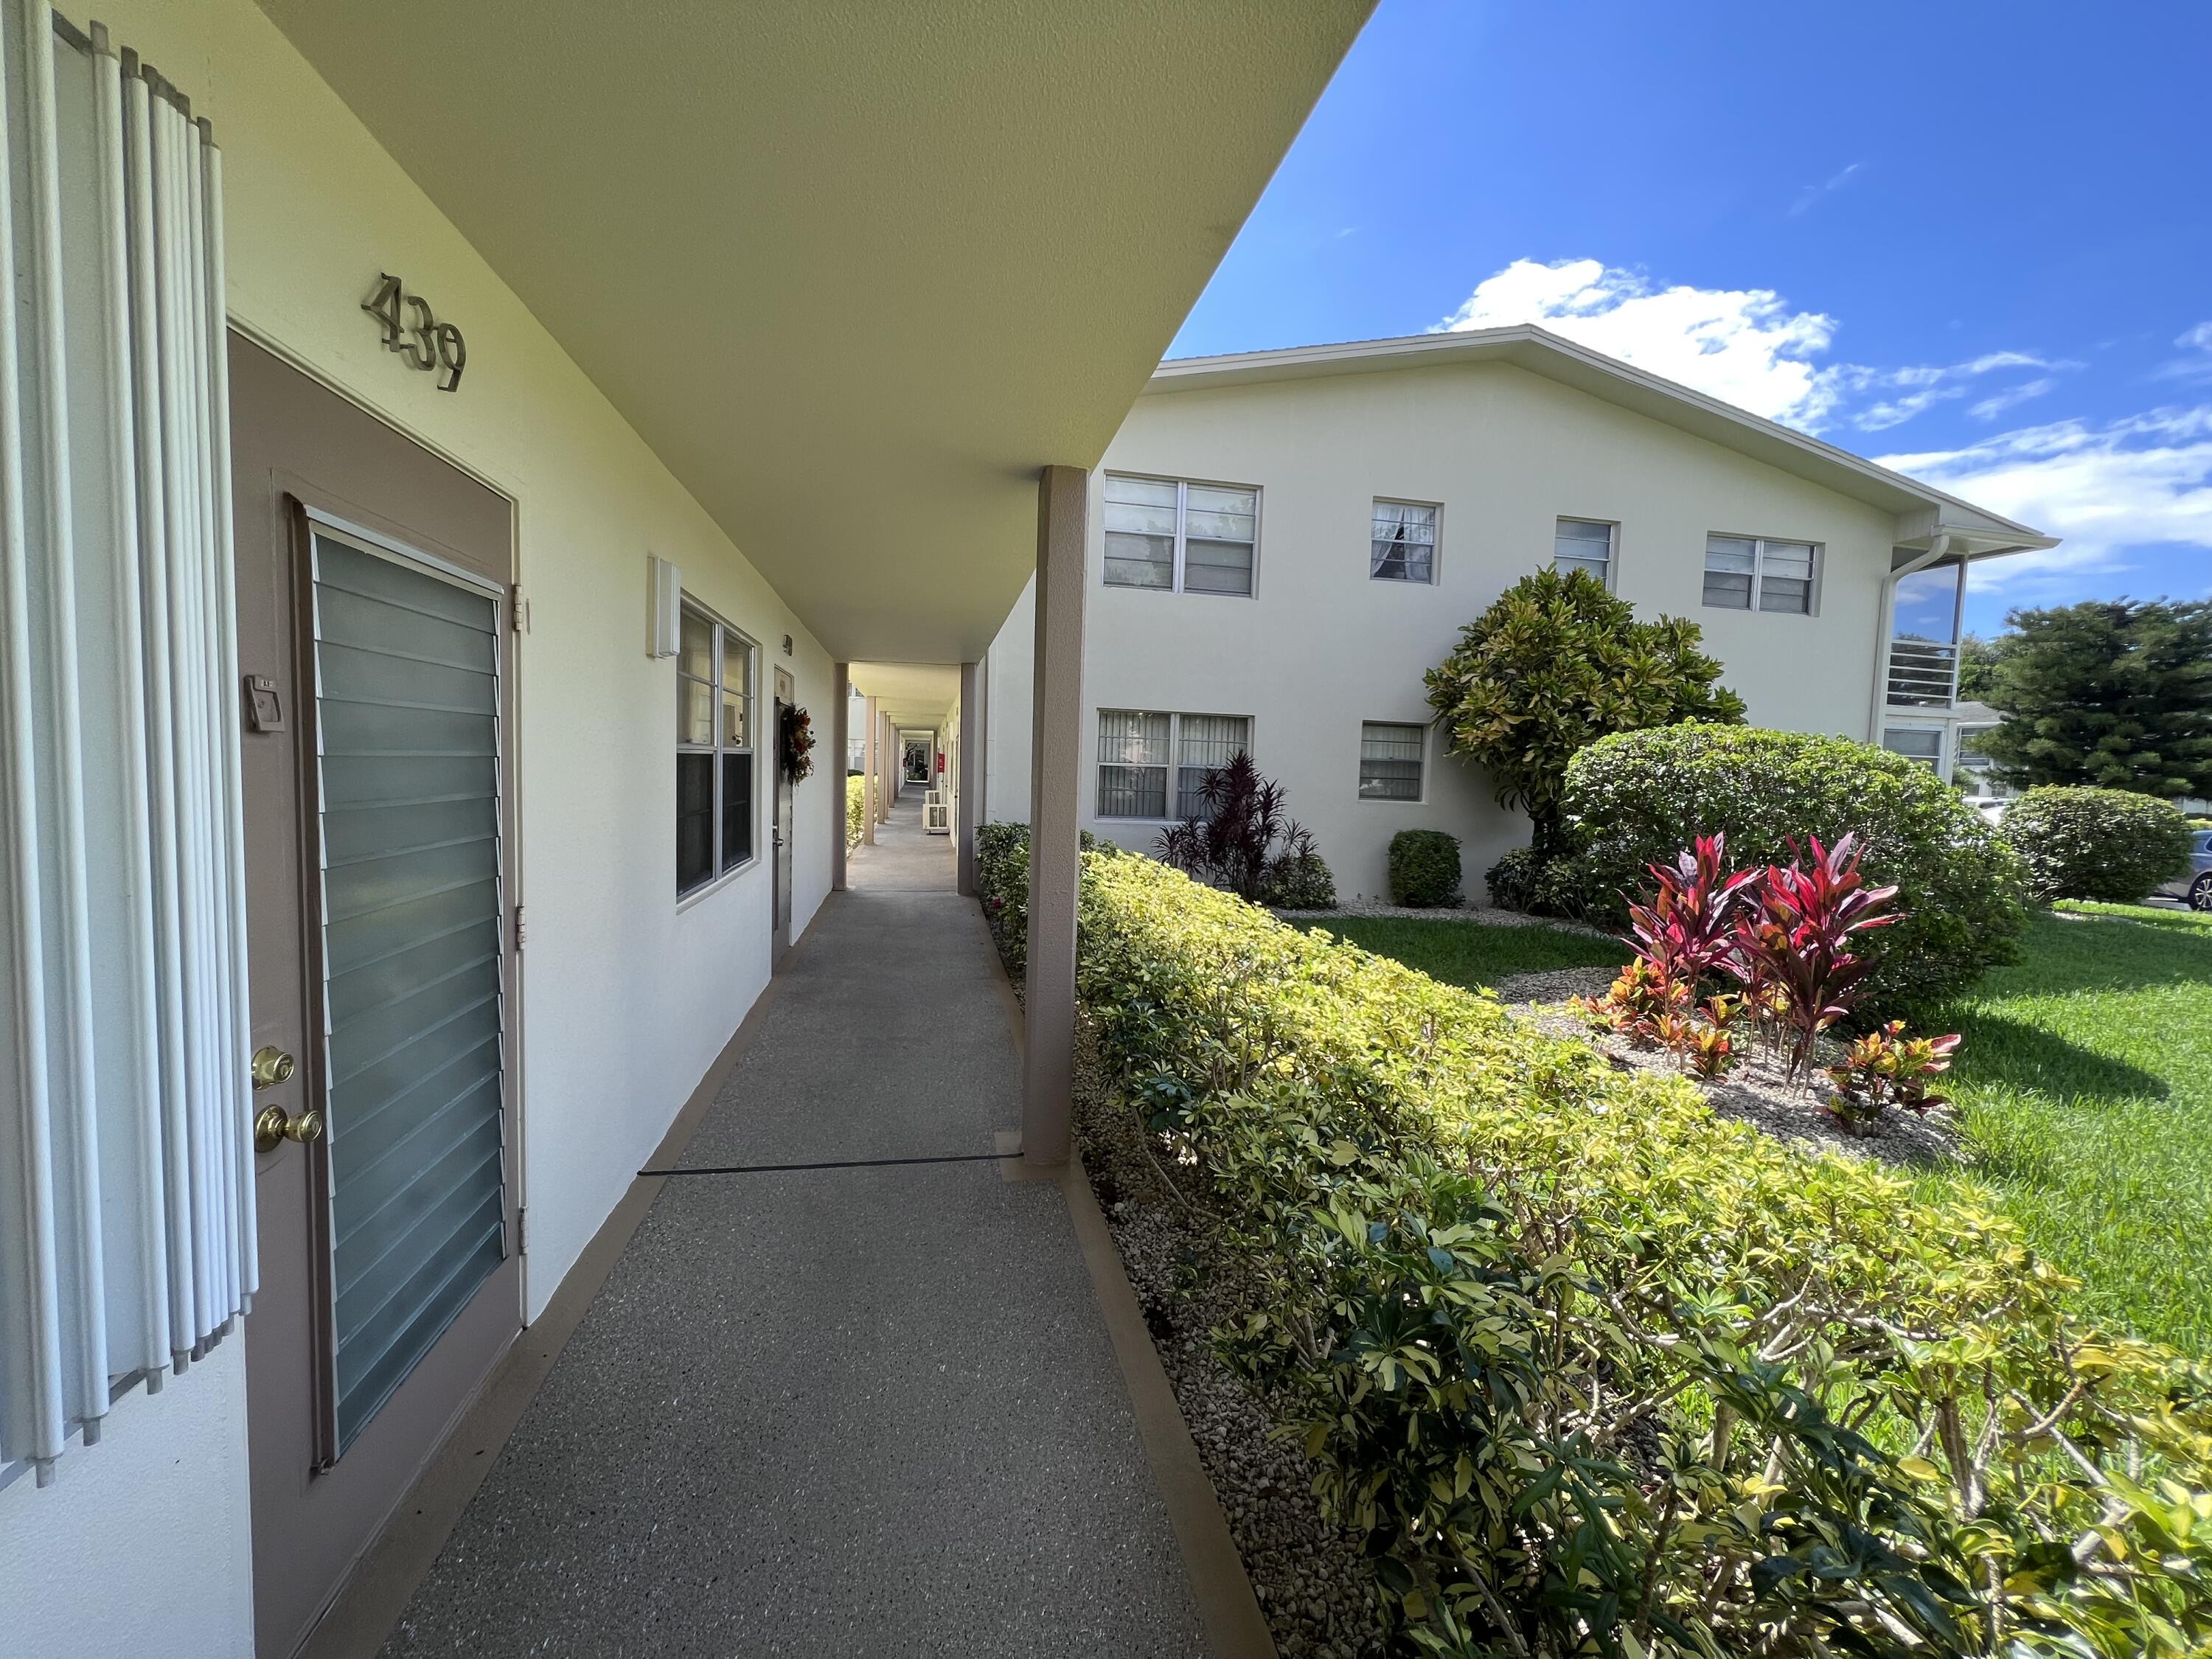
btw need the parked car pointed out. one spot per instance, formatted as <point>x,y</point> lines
<point>2196,886</point>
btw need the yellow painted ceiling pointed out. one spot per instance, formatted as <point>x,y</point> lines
<point>855,271</point>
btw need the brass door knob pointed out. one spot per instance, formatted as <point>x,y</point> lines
<point>275,1126</point>
<point>272,1065</point>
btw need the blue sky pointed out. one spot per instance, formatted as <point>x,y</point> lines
<point>1972,241</point>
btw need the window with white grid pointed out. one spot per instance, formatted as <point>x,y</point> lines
<point>1390,761</point>
<point>1181,537</point>
<point>1139,750</point>
<point>1403,543</point>
<point>1749,572</point>
<point>1583,545</point>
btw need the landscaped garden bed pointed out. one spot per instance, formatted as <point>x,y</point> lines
<point>1585,1366</point>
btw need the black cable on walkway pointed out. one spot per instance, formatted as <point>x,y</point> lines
<point>838,1163</point>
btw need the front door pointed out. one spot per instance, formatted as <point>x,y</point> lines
<point>782,838</point>
<point>373,590</point>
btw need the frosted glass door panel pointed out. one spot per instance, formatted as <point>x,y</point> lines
<point>407,721</point>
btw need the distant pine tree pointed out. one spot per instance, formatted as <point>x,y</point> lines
<point>2112,693</point>
<point>1978,664</point>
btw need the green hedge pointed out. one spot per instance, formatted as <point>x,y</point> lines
<point>1596,1372</point>
<point>2108,844</point>
<point>1424,868</point>
<point>856,809</point>
<point>1637,799</point>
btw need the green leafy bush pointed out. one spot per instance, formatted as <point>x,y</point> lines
<point>1424,868</point>
<point>1555,663</point>
<point>1634,799</point>
<point>2109,844</point>
<point>1301,883</point>
<point>1002,881</point>
<point>1594,1371</point>
<point>1541,885</point>
<point>856,809</point>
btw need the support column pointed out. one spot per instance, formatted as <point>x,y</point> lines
<point>870,812</point>
<point>841,700</point>
<point>969,783</point>
<point>1056,860</point>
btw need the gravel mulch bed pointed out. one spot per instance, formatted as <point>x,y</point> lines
<point>1482,914</point>
<point>1756,1094</point>
<point>1313,1585</point>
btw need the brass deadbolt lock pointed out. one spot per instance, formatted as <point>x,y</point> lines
<point>272,1065</point>
<point>275,1126</point>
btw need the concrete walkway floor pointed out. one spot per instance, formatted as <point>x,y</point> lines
<point>904,857</point>
<point>847,1411</point>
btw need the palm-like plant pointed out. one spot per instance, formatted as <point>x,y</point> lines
<point>1241,836</point>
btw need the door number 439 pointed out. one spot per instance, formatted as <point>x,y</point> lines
<point>411,330</point>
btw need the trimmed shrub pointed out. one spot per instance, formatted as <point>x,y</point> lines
<point>1303,882</point>
<point>2109,844</point>
<point>856,809</point>
<point>1634,799</point>
<point>1002,881</point>
<point>1526,880</point>
<point>1424,868</point>
<point>1594,1371</point>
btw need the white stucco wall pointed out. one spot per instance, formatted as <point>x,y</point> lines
<point>1320,646</point>
<point>143,1545</point>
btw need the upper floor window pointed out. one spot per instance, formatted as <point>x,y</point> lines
<point>1403,547</point>
<point>1749,572</point>
<point>1924,635</point>
<point>1390,761</point>
<point>1149,764</point>
<point>1585,545</point>
<point>1180,538</point>
<point>714,745</point>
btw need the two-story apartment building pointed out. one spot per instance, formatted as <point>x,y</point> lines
<point>1281,542</point>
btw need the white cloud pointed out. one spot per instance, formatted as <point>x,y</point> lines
<point>1990,408</point>
<point>2198,338</point>
<point>1745,346</point>
<point>2103,487</point>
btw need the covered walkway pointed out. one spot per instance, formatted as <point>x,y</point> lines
<point>848,1390</point>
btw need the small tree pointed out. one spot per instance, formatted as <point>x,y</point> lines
<point>1556,663</point>
<point>2111,693</point>
<point>1978,664</point>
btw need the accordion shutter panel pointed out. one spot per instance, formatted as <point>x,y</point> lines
<point>126,1156</point>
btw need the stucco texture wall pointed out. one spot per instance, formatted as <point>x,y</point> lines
<point>1320,647</point>
<point>627,1000</point>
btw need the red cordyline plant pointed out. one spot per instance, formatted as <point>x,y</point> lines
<point>1688,928</point>
<point>1797,942</point>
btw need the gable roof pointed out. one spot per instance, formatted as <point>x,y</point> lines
<point>1923,512</point>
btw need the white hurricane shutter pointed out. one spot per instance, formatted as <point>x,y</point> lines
<point>125,1159</point>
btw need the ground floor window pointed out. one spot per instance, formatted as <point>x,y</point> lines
<point>1923,744</point>
<point>714,749</point>
<point>1390,761</point>
<point>1583,545</point>
<point>1139,749</point>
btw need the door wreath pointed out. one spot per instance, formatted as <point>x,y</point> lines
<point>796,742</point>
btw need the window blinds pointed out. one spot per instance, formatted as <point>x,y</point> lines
<point>126,1167</point>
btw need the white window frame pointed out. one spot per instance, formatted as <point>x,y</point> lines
<point>1759,573</point>
<point>1174,768</point>
<point>1436,548</point>
<point>1419,798</point>
<point>724,629</point>
<point>1182,488</point>
<point>1943,748</point>
<point>1612,528</point>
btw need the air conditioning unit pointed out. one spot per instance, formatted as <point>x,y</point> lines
<point>936,813</point>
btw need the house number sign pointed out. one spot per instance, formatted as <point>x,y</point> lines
<point>411,330</point>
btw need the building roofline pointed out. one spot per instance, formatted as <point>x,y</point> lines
<point>1975,531</point>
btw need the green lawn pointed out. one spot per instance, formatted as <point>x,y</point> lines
<point>2084,1086</point>
<point>1471,953</point>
